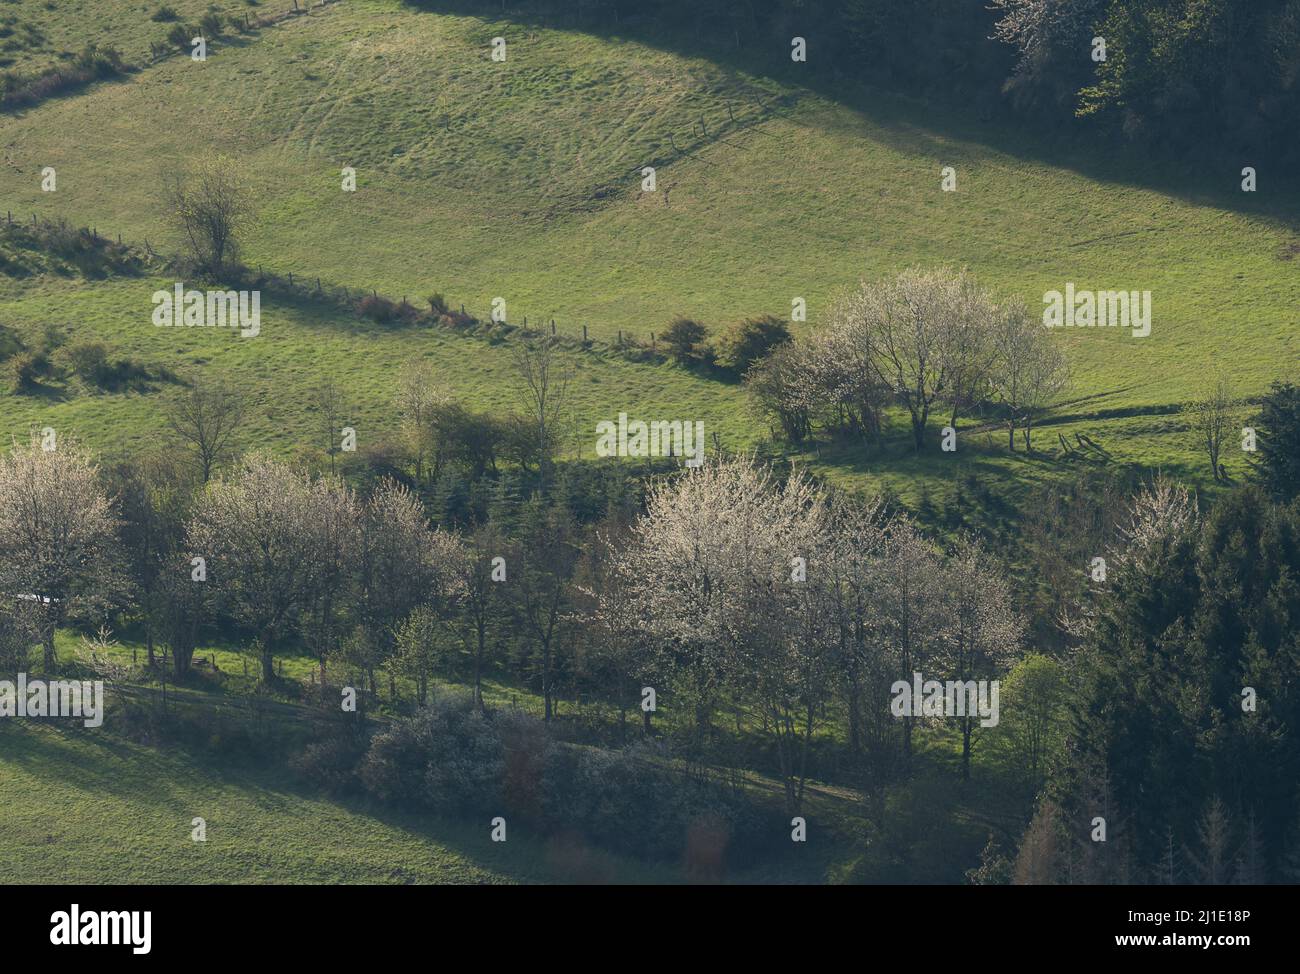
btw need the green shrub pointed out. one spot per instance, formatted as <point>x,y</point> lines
<point>88,361</point>
<point>686,340</point>
<point>745,342</point>
<point>25,371</point>
<point>180,36</point>
<point>633,800</point>
<point>10,344</point>
<point>447,757</point>
<point>212,24</point>
<point>378,309</point>
<point>100,62</point>
<point>331,762</point>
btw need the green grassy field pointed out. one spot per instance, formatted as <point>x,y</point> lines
<point>65,791</point>
<point>66,788</point>
<point>300,346</point>
<point>36,34</point>
<point>522,180</point>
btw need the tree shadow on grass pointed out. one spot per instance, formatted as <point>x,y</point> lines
<point>96,764</point>
<point>925,127</point>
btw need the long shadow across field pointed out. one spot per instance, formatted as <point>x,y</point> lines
<point>96,763</point>
<point>915,125</point>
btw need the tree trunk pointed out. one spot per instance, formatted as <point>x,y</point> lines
<point>478,669</point>
<point>268,658</point>
<point>855,717</point>
<point>546,682</point>
<point>803,757</point>
<point>965,748</point>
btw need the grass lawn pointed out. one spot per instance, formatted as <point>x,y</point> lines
<point>84,807</point>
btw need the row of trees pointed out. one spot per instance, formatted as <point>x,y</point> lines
<point>923,340</point>
<point>731,590</point>
<point>735,587</point>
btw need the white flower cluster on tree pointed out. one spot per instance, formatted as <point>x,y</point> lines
<point>761,593</point>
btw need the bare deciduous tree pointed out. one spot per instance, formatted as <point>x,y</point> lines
<point>481,597</point>
<point>331,414</point>
<point>909,619</point>
<point>1210,416</point>
<point>1028,371</point>
<point>418,394</point>
<point>210,206</point>
<point>544,373</point>
<point>205,419</point>
<point>981,632</point>
<point>1046,377</point>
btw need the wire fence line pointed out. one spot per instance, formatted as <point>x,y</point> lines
<point>363,302</point>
